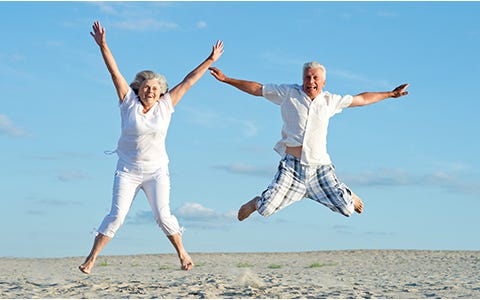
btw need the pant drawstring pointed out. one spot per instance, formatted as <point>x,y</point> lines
<point>110,152</point>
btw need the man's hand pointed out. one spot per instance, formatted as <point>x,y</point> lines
<point>217,74</point>
<point>400,91</point>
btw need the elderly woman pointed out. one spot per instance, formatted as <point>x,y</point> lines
<point>146,106</point>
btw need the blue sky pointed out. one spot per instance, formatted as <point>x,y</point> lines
<point>413,160</point>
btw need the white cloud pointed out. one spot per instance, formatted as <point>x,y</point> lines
<point>141,217</point>
<point>144,17</point>
<point>145,25</point>
<point>7,127</point>
<point>13,65</point>
<point>380,177</point>
<point>202,24</point>
<point>386,14</point>
<point>203,117</point>
<point>130,9</point>
<point>195,211</point>
<point>250,129</point>
<point>282,60</point>
<point>359,78</point>
<point>208,118</point>
<point>246,169</point>
<point>449,180</point>
<point>191,213</point>
<point>198,213</point>
<point>106,8</point>
<point>345,16</point>
<point>71,175</point>
<point>14,57</point>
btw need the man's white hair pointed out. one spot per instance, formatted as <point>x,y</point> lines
<point>314,65</point>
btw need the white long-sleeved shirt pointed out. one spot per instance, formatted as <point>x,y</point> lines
<point>305,121</point>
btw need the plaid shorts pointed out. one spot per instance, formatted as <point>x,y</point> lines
<point>295,181</point>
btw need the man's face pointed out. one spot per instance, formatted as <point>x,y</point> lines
<point>313,82</point>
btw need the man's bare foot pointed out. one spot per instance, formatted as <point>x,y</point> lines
<point>87,266</point>
<point>186,262</point>
<point>247,209</point>
<point>357,203</point>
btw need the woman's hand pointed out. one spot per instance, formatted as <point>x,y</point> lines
<point>98,33</point>
<point>217,51</point>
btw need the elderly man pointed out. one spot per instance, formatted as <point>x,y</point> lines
<point>305,170</point>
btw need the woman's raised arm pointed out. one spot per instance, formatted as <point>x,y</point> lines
<point>119,81</point>
<point>180,89</point>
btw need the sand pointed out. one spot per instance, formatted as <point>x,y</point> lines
<point>322,274</point>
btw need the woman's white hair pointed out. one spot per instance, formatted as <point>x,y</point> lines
<point>314,65</point>
<point>148,75</point>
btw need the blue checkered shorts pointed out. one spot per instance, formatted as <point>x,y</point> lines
<point>295,181</point>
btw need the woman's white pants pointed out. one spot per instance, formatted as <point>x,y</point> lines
<point>156,186</point>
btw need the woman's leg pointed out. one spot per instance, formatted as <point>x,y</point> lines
<point>99,243</point>
<point>157,190</point>
<point>185,259</point>
<point>125,187</point>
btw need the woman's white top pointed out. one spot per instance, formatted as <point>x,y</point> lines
<point>142,141</point>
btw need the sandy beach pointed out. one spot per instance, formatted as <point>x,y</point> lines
<point>322,274</point>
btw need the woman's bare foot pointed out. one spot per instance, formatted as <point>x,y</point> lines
<point>87,266</point>
<point>247,209</point>
<point>186,262</point>
<point>357,203</point>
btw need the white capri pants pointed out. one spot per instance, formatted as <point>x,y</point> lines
<point>156,186</point>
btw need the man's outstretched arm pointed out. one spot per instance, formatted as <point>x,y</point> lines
<point>373,97</point>
<point>250,87</point>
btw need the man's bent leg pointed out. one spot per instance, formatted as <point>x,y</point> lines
<point>287,187</point>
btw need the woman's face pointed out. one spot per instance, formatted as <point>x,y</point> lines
<point>149,92</point>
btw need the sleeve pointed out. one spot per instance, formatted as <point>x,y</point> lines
<point>166,102</point>
<point>275,93</point>
<point>340,102</point>
<point>127,100</point>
